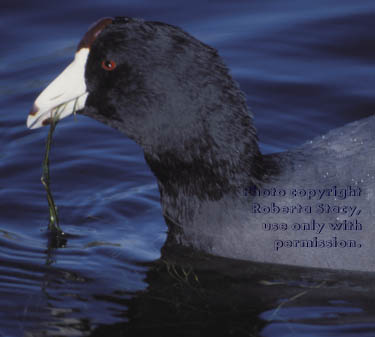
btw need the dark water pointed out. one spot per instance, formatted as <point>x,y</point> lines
<point>305,66</point>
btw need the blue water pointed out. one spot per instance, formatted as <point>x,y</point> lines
<point>305,67</point>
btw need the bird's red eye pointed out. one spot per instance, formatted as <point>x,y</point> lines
<point>108,65</point>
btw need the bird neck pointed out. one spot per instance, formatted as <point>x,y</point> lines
<point>189,180</point>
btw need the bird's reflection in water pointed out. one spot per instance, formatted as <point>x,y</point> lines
<point>193,294</point>
<point>188,293</point>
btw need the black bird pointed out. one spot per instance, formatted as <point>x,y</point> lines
<point>173,95</point>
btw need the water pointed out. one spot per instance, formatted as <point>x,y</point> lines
<point>306,67</point>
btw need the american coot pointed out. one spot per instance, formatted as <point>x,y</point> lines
<point>173,95</point>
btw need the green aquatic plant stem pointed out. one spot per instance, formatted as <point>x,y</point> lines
<point>53,225</point>
<point>53,216</point>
